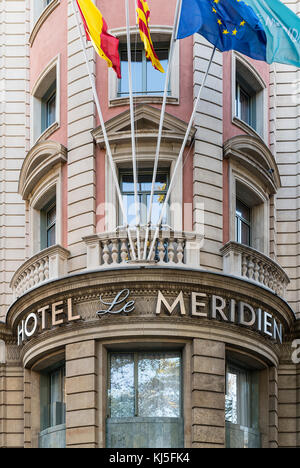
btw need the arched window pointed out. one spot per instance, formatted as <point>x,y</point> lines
<point>46,103</point>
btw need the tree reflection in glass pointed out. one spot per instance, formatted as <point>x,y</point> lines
<point>122,386</point>
<point>159,385</point>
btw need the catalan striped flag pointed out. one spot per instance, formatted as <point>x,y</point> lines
<point>95,27</point>
<point>143,15</point>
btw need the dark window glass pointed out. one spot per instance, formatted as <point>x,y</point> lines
<point>243,223</point>
<point>53,397</point>
<point>51,226</point>
<point>245,104</point>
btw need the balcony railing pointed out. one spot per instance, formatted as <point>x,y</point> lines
<point>112,249</point>
<point>50,263</point>
<point>246,262</point>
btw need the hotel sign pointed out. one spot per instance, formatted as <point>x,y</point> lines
<point>202,306</point>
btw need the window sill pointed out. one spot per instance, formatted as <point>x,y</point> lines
<point>124,101</point>
<point>41,20</point>
<point>48,132</point>
<point>247,128</point>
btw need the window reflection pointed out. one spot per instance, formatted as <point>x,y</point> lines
<point>146,80</point>
<point>145,385</point>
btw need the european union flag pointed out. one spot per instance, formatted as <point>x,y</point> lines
<point>227,24</point>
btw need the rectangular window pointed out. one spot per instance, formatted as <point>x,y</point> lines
<point>144,193</point>
<point>53,397</point>
<point>144,400</point>
<point>48,108</point>
<point>243,223</point>
<point>245,104</point>
<point>241,408</point>
<point>146,80</point>
<point>48,225</point>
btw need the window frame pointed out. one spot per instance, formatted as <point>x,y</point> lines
<point>47,84</point>
<point>46,394</point>
<point>44,226</point>
<point>240,220</point>
<point>253,84</point>
<point>143,194</point>
<point>138,47</point>
<point>159,34</point>
<point>135,354</point>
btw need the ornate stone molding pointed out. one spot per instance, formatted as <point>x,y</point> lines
<point>146,123</point>
<point>38,162</point>
<point>251,152</point>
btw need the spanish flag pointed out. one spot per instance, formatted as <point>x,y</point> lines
<point>143,15</point>
<point>96,31</point>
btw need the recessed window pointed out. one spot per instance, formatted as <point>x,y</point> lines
<point>250,99</point>
<point>245,104</point>
<point>243,223</point>
<point>49,108</point>
<point>46,102</point>
<point>144,192</point>
<point>144,400</point>
<point>242,407</point>
<point>146,80</point>
<point>53,407</point>
<point>48,225</point>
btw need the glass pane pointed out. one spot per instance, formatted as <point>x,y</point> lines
<point>122,386</point>
<point>156,79</point>
<point>129,207</point>
<point>245,234</point>
<point>136,72</point>
<point>242,210</point>
<point>51,216</point>
<point>158,201</point>
<point>231,399</point>
<point>51,110</point>
<point>245,102</point>
<point>51,236</point>
<point>159,385</point>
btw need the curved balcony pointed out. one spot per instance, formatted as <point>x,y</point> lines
<point>50,263</point>
<point>174,248</point>
<point>246,262</point>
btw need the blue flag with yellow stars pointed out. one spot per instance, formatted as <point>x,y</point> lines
<point>227,24</point>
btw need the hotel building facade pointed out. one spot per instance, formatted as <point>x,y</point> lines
<point>197,347</point>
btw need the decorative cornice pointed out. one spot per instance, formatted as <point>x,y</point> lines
<point>252,152</point>
<point>147,120</point>
<point>38,162</point>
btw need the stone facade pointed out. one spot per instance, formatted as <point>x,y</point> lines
<point>228,308</point>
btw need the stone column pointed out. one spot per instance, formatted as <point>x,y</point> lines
<point>81,395</point>
<point>208,394</point>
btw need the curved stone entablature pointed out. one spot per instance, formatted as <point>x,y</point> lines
<point>38,162</point>
<point>147,119</point>
<point>252,153</point>
<point>150,302</point>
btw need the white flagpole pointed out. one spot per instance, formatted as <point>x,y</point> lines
<point>108,149</point>
<point>135,180</point>
<point>162,115</point>
<point>180,156</point>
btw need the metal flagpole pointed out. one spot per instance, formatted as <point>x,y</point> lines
<point>162,115</point>
<point>180,155</point>
<point>135,181</point>
<point>108,149</point>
